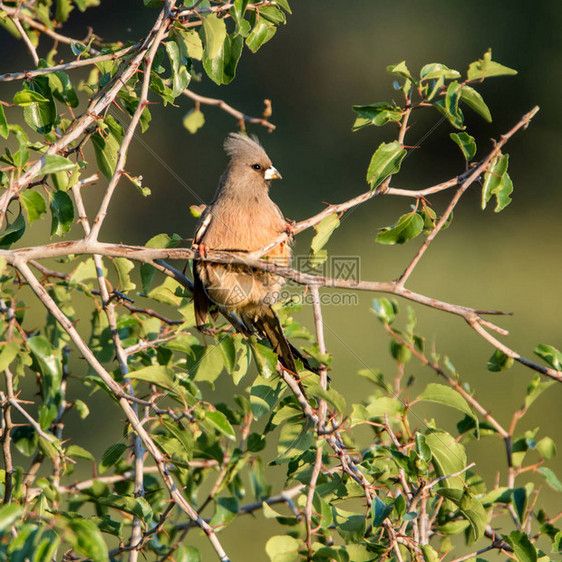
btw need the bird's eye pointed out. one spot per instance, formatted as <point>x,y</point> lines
<point>256,166</point>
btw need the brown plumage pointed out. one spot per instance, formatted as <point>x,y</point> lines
<point>243,218</point>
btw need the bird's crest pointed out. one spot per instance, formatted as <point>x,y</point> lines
<point>241,146</point>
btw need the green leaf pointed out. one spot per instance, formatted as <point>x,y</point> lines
<point>466,143</point>
<point>261,33</point>
<point>324,230</point>
<point>62,213</point>
<point>264,394</point>
<point>408,226</point>
<point>522,547</point>
<point>193,43</point>
<point>350,526</point>
<point>385,161</point>
<point>494,178</point>
<point>138,507</point>
<point>9,352</point>
<point>449,106</point>
<point>107,142</point>
<point>75,451</point>
<point>62,88</point>
<point>550,354</point>
<point>9,514</point>
<point>193,120</point>
<point>215,35</point>
<point>551,478</point>
<point>400,69</point>
<point>294,439</point>
<point>449,457</point>
<point>112,456</point>
<point>475,101</point>
<point>4,131</point>
<point>486,68</point>
<point>87,540</point>
<point>64,7</point>
<point>282,548</point>
<point>155,374</point>
<point>222,68</point>
<point>429,553</point>
<point>435,70</point>
<point>499,361</point>
<point>534,390</point>
<point>180,75</point>
<point>210,366</point>
<point>13,233</point>
<point>34,205</point>
<point>377,114</point>
<point>385,309</point>
<point>380,511</point>
<point>470,507</point>
<point>218,421</point>
<point>546,448</point>
<point>39,109</point>
<point>54,163</point>
<point>422,449</point>
<point>123,267</point>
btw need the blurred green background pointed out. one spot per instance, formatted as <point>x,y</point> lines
<point>328,57</point>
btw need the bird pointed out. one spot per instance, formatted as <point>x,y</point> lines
<point>242,218</point>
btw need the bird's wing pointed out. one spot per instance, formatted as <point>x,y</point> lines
<point>203,225</point>
<point>200,299</point>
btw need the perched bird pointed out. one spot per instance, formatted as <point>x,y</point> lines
<point>242,218</point>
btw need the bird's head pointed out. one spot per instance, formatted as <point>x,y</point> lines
<point>250,166</point>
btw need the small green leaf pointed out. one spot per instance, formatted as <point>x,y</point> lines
<point>218,421</point>
<point>193,120</point>
<point>499,361</point>
<point>294,439</point>
<point>9,514</point>
<point>62,88</point>
<point>408,226</point>
<point>470,507</point>
<point>400,69</point>
<point>324,230</point>
<point>180,75</point>
<point>107,142</point>
<point>222,68</point>
<point>475,101</point>
<point>159,375</point>
<point>34,205</point>
<point>435,70</point>
<point>449,106</point>
<point>546,448</point>
<point>380,511</point>
<point>87,540</point>
<point>215,35</point>
<point>551,478</point>
<point>442,394</point>
<point>13,233</point>
<point>261,33</point>
<point>77,452</point>
<point>422,448</point>
<point>112,455</point>
<point>282,548</point>
<point>54,163</point>
<point>449,457</point>
<point>486,68</point>
<point>264,394</point>
<point>466,143</point>
<point>39,109</point>
<point>62,213</point>
<point>385,161</point>
<point>123,267</point>
<point>550,354</point>
<point>9,352</point>
<point>522,547</point>
<point>377,114</point>
<point>385,309</point>
<point>4,131</point>
<point>494,178</point>
<point>350,526</point>
<point>193,43</point>
<point>534,390</point>
<point>429,553</point>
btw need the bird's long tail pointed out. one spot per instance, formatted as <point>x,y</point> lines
<point>267,323</point>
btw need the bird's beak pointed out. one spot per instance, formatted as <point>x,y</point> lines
<point>272,174</point>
